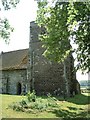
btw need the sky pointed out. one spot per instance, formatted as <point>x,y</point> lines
<point>20,19</point>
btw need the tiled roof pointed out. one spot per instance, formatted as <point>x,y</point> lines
<point>14,60</point>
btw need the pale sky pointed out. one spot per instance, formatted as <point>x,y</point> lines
<point>20,19</point>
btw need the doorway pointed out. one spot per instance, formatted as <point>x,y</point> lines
<point>7,86</point>
<point>19,89</point>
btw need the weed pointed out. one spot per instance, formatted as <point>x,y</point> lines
<point>32,103</point>
<point>31,96</point>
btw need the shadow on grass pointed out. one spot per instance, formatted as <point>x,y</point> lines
<point>80,99</point>
<point>67,114</point>
<point>73,112</point>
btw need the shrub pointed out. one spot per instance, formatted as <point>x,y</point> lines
<point>16,106</point>
<point>51,101</point>
<point>31,96</point>
<point>34,105</point>
<point>40,105</point>
<point>23,103</point>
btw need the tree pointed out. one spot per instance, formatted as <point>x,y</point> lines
<point>65,23</point>
<point>5,28</point>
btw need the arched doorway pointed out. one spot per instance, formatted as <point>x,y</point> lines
<point>19,88</point>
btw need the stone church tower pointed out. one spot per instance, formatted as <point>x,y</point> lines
<point>27,69</point>
<point>45,76</point>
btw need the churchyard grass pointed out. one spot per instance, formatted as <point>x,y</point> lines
<point>75,107</point>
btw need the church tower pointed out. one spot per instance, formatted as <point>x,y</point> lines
<point>45,76</point>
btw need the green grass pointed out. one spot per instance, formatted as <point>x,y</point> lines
<point>75,107</point>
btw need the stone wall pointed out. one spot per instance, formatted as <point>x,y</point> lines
<point>42,75</point>
<point>14,81</point>
<point>48,76</point>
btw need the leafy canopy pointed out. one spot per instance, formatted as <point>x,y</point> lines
<point>66,23</point>
<point>5,28</point>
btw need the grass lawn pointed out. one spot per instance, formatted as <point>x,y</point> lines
<point>76,107</point>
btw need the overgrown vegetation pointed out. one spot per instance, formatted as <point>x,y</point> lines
<point>34,104</point>
<point>44,107</point>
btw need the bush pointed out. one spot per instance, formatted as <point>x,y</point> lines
<point>39,106</point>
<point>51,101</point>
<point>16,106</point>
<point>23,102</point>
<point>34,105</point>
<point>31,96</point>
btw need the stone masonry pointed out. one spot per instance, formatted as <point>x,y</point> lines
<point>26,70</point>
<point>48,76</point>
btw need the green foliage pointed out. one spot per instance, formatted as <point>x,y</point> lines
<point>39,105</point>
<point>23,103</point>
<point>52,101</point>
<point>31,96</point>
<point>66,22</point>
<point>56,38</point>
<point>5,28</point>
<point>8,4</point>
<point>79,21</point>
<point>76,107</point>
<point>16,107</point>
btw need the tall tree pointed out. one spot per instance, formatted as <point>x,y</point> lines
<point>66,23</point>
<point>5,28</point>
